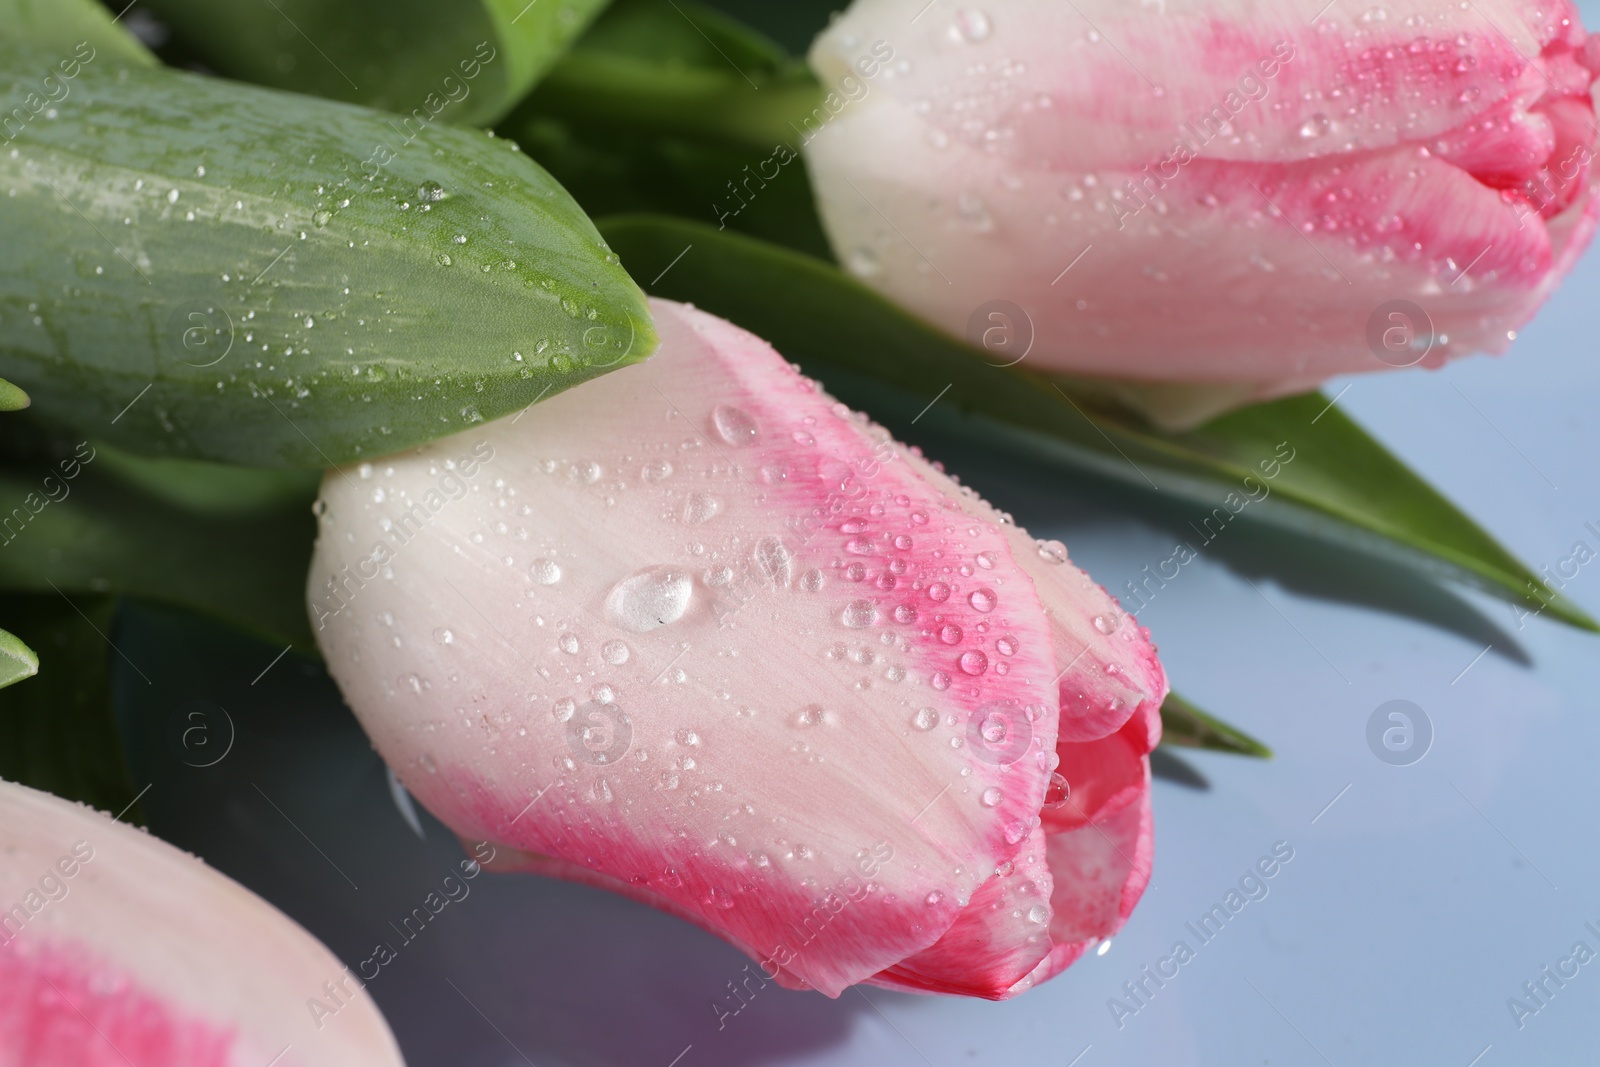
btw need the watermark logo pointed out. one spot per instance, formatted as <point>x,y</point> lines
<point>999,733</point>
<point>1400,333</point>
<point>200,333</point>
<point>599,733</point>
<point>1399,733</point>
<point>1003,330</point>
<point>201,733</point>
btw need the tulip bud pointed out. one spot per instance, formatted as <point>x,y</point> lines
<point>1213,192</point>
<point>699,635</point>
<point>116,948</point>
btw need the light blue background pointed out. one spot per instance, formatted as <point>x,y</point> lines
<point>1413,908</point>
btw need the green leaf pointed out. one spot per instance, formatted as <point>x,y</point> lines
<point>17,660</point>
<point>88,520</point>
<point>465,63</point>
<point>57,733</point>
<point>55,28</point>
<point>222,272</point>
<point>659,67</point>
<point>1340,485</point>
<point>672,107</point>
<point>12,398</point>
<point>1186,726</point>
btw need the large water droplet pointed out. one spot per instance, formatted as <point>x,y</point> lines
<point>991,797</point>
<point>973,662</point>
<point>926,719</point>
<point>700,507</point>
<point>569,643</point>
<point>430,192</point>
<point>734,425</point>
<point>655,596</point>
<point>1058,792</point>
<point>971,26</point>
<point>938,592</point>
<point>950,634</point>
<point>1052,551</point>
<point>1038,913</point>
<point>859,614</point>
<point>774,561</point>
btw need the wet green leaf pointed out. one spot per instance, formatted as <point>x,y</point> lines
<point>1338,484</point>
<point>217,271</point>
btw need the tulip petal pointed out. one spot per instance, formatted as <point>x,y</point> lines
<point>118,949</point>
<point>701,636</point>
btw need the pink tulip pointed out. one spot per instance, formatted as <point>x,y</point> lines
<point>1232,194</point>
<point>699,635</point>
<point>118,950</point>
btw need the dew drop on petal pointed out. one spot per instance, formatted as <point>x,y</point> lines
<point>938,592</point>
<point>991,797</point>
<point>1052,551</point>
<point>1038,913</point>
<point>700,507</point>
<point>1006,646</point>
<point>974,662</point>
<point>545,571</point>
<point>568,643</point>
<point>811,581</point>
<point>859,614</point>
<point>926,719</point>
<point>564,709</point>
<point>950,634</point>
<point>983,599</point>
<point>934,898</point>
<point>615,653</point>
<point>646,599</point>
<point>774,561</point>
<point>444,636</point>
<point>734,425</point>
<point>1058,792</point>
<point>940,681</point>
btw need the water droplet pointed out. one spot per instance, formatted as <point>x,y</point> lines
<point>905,613</point>
<point>1105,623</point>
<point>568,643</point>
<point>811,715</point>
<point>700,507</point>
<point>919,517</point>
<point>602,694</point>
<point>564,709</point>
<point>991,797</point>
<point>545,571</point>
<point>646,599</point>
<point>859,614</point>
<point>774,561</point>
<point>321,218</point>
<point>734,425</point>
<point>719,898</point>
<point>444,636</point>
<point>1315,126</point>
<point>1016,831</point>
<point>430,192</point>
<point>994,728</point>
<point>983,599</point>
<point>656,471</point>
<point>615,653</point>
<point>811,581</point>
<point>985,560</point>
<point>940,681</point>
<point>1058,792</point>
<point>1006,646</point>
<point>971,26</point>
<point>934,898</point>
<point>950,634</point>
<point>926,719</point>
<point>1038,913</point>
<point>938,592</point>
<point>1052,551</point>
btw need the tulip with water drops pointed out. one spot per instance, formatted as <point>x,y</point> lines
<point>721,645</point>
<point>1236,197</point>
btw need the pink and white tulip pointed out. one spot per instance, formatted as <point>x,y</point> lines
<point>1221,192</point>
<point>699,635</point>
<point>118,950</point>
